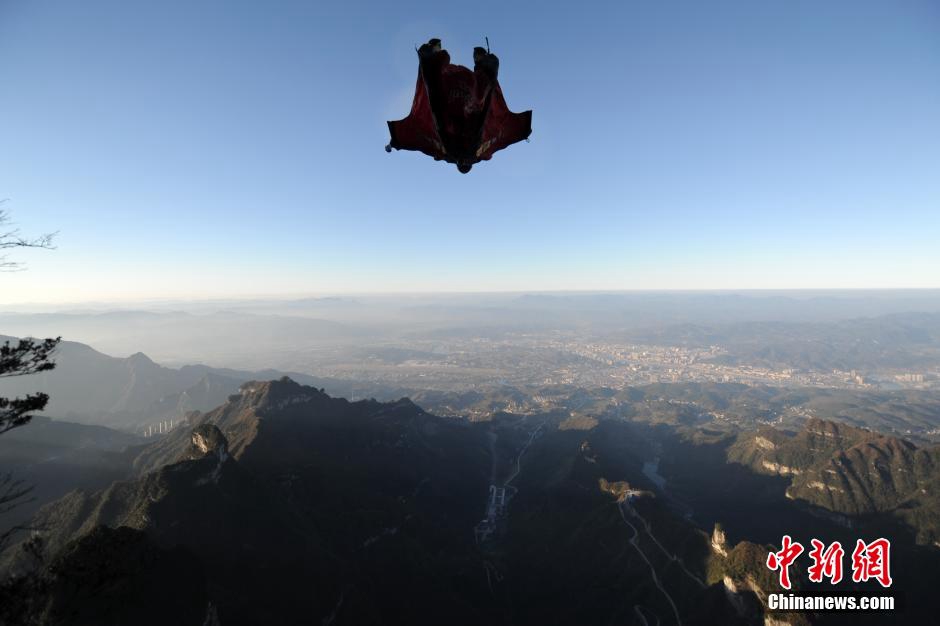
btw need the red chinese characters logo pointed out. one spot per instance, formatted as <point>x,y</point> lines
<point>783,559</point>
<point>872,560</point>
<point>869,561</point>
<point>826,563</point>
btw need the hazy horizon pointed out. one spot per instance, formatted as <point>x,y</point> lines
<point>91,304</point>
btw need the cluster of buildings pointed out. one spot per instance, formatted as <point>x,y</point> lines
<point>532,360</point>
<point>495,508</point>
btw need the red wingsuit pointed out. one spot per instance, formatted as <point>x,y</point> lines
<point>458,115</point>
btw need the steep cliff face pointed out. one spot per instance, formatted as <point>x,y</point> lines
<point>742,574</point>
<point>207,440</point>
<point>719,542</point>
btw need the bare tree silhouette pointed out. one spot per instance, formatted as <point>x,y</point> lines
<point>10,237</point>
<point>25,357</point>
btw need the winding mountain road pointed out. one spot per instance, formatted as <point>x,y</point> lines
<point>522,452</point>
<point>638,609</point>
<point>635,543</point>
<point>672,557</point>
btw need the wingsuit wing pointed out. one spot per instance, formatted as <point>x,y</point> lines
<point>418,131</point>
<point>502,127</point>
<point>458,115</point>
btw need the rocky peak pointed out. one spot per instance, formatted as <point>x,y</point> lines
<point>719,541</point>
<point>274,395</point>
<point>207,439</point>
<point>139,360</point>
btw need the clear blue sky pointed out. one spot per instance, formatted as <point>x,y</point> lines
<point>222,148</point>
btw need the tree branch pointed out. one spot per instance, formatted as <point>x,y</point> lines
<point>12,239</point>
<point>27,357</point>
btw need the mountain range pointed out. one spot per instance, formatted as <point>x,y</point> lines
<point>275,502</point>
<point>134,392</point>
<point>287,497</point>
<point>850,471</point>
<point>286,505</point>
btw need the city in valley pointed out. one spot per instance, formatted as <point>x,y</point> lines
<point>553,360</point>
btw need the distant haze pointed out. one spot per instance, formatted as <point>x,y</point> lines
<point>300,334</point>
